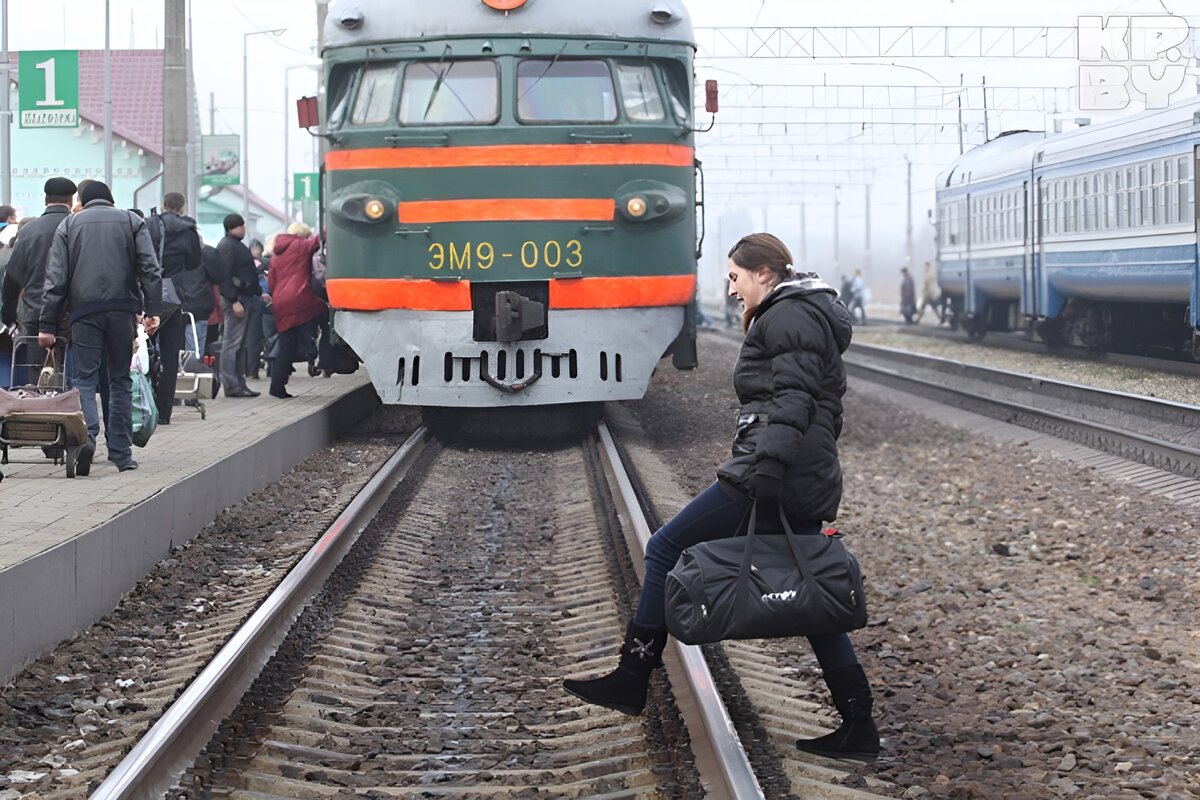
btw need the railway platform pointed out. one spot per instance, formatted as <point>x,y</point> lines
<point>69,549</point>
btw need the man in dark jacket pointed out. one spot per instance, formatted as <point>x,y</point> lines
<point>22,303</point>
<point>240,284</point>
<point>102,267</point>
<point>177,244</point>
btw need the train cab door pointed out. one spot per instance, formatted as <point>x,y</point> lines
<point>1032,211</point>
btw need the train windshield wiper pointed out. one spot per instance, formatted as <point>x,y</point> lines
<point>437,85</point>
<point>549,67</point>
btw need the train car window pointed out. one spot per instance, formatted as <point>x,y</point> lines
<point>341,86</point>
<point>465,92</point>
<point>1170,207</point>
<point>679,90</point>
<point>550,90</point>
<point>376,95</point>
<point>1185,192</point>
<point>639,93</point>
<point>1120,195</point>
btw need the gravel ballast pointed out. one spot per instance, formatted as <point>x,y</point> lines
<point>1032,623</point>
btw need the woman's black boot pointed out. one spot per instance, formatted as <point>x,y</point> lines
<point>624,689</point>
<point>856,738</point>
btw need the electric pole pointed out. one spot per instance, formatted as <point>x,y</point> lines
<point>908,236</point>
<point>867,252</point>
<point>175,99</point>
<point>837,203</point>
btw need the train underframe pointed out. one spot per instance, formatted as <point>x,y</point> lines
<point>1093,324</point>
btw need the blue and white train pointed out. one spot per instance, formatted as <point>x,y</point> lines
<point>1086,237</point>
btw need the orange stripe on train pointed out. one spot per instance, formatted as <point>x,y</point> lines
<point>513,155</point>
<point>377,294</point>
<point>517,209</point>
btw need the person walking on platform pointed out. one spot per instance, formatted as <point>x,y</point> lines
<point>239,285</point>
<point>930,294</point>
<point>103,270</point>
<point>293,303</point>
<point>790,381</point>
<point>177,244</point>
<point>908,296</point>
<point>195,289</point>
<point>26,273</point>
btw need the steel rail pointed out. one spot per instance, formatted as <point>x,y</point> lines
<point>1166,450</point>
<point>1016,343</point>
<point>736,772</point>
<point>1149,407</point>
<point>181,734</point>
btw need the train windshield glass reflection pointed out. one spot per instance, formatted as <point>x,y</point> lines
<point>468,92</point>
<point>565,91</point>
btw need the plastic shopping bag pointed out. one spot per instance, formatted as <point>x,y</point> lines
<point>145,413</point>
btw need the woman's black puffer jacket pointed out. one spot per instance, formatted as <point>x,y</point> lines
<point>790,380</point>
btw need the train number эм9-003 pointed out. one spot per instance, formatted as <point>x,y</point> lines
<point>484,255</point>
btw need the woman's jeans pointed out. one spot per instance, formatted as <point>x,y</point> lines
<point>713,514</point>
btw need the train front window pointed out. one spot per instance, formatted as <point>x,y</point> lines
<point>553,90</point>
<point>639,93</point>
<point>450,93</point>
<point>376,93</point>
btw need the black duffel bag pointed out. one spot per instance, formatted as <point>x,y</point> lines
<point>765,586</point>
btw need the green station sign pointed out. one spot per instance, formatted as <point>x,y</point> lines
<point>48,94</point>
<point>306,186</point>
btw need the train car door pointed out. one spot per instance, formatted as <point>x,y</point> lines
<point>968,294</point>
<point>1194,305</point>
<point>1031,238</point>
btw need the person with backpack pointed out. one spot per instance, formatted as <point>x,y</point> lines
<point>177,244</point>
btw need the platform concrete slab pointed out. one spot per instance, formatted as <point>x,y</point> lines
<point>69,549</point>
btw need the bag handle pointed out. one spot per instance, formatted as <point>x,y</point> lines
<point>789,534</point>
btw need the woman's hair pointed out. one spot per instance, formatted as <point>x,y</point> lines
<point>759,251</point>
<point>299,229</point>
<point>763,251</point>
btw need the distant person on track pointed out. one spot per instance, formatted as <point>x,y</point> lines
<point>859,296</point>
<point>102,270</point>
<point>908,296</point>
<point>790,380</point>
<point>931,295</point>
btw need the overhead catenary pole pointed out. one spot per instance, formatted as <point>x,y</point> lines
<point>960,127</point>
<point>867,252</point>
<point>837,203</point>
<point>908,231</point>
<point>212,113</point>
<point>245,165</point>
<point>803,238</point>
<point>175,98</point>
<point>5,110</point>
<point>107,99</point>
<point>986,134</point>
<point>193,128</point>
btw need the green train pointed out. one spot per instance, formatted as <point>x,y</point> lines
<point>510,195</point>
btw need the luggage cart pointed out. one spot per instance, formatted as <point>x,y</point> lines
<point>42,413</point>
<point>193,387</point>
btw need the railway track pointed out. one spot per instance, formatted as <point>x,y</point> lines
<point>418,649</point>
<point>1017,342</point>
<point>1156,433</point>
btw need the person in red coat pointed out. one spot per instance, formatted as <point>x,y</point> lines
<point>293,301</point>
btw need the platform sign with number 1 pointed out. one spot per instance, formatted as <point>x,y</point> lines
<point>48,94</point>
<point>306,186</point>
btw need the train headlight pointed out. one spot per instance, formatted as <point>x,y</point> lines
<point>374,209</point>
<point>647,201</point>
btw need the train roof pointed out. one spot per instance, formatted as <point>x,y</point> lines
<point>1009,154</point>
<point>1145,127</point>
<point>1006,154</point>
<point>361,22</point>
